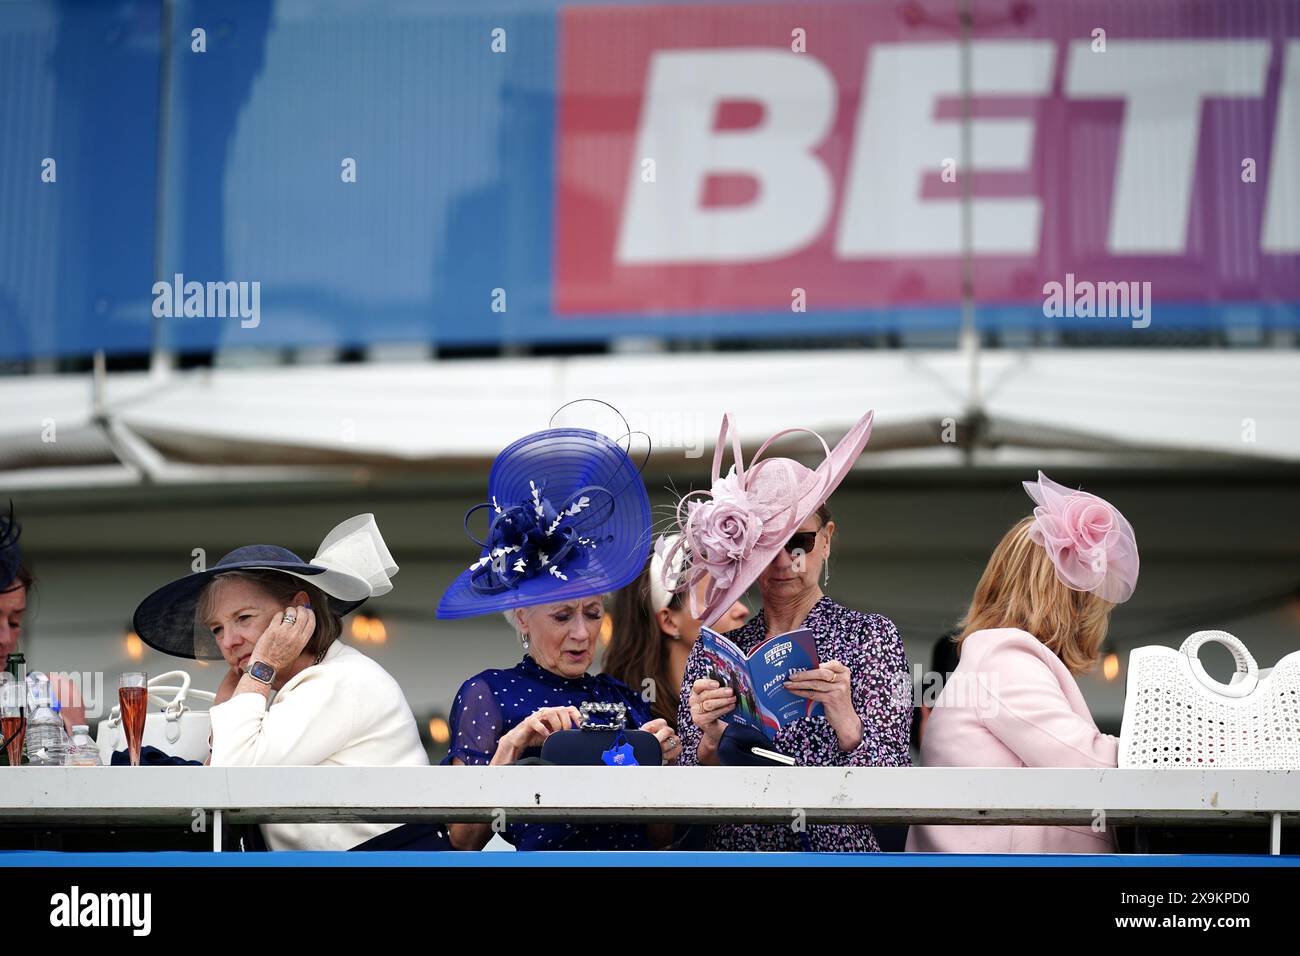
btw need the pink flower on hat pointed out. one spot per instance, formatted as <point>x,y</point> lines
<point>751,512</point>
<point>1090,543</point>
<point>731,488</point>
<point>723,532</point>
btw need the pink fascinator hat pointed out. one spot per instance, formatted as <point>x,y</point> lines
<point>731,532</point>
<point>1090,543</point>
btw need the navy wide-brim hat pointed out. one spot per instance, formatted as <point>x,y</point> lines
<point>568,517</point>
<point>351,566</point>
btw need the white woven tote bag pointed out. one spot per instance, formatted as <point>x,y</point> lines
<point>1177,715</point>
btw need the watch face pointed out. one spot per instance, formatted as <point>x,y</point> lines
<point>260,670</point>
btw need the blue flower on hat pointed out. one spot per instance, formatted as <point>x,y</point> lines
<point>535,537</point>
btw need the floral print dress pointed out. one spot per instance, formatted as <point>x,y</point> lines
<point>870,646</point>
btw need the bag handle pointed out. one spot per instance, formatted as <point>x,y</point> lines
<point>617,712</point>
<point>184,691</point>
<point>1246,678</point>
<point>174,707</point>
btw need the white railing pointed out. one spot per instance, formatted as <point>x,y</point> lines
<point>882,795</point>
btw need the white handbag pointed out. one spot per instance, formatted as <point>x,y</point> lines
<point>169,723</point>
<point>1177,715</point>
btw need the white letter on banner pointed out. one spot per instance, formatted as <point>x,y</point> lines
<point>663,221</point>
<point>1282,212</point>
<point>898,143</point>
<point>1164,84</point>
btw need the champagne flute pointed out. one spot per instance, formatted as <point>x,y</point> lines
<point>133,701</point>
<point>13,718</point>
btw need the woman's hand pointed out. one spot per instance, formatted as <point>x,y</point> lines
<point>669,745</point>
<point>831,685</point>
<point>533,730</point>
<point>282,641</point>
<point>710,701</point>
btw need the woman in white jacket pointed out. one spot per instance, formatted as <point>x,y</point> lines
<point>294,695</point>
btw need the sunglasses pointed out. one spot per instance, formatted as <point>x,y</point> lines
<point>803,541</point>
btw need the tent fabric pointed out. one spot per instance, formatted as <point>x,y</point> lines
<point>1096,406</point>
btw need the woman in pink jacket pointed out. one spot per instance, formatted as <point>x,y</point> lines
<point>1038,617</point>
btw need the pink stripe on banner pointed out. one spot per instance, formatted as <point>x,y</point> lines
<point>718,158</point>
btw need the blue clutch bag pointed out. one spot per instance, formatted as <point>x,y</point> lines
<point>607,743</point>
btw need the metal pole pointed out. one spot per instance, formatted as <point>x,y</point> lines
<point>970,340</point>
<point>161,359</point>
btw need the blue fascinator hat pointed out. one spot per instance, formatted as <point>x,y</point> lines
<point>568,517</point>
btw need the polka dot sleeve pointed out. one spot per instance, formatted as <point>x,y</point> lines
<point>476,723</point>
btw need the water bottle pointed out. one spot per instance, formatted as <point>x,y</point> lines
<point>57,707</point>
<point>44,745</point>
<point>82,752</point>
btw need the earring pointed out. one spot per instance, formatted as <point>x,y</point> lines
<point>523,640</point>
<point>826,567</point>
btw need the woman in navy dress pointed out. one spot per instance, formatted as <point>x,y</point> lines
<point>501,716</point>
<point>569,522</point>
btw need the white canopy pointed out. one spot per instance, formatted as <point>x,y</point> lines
<point>1102,406</point>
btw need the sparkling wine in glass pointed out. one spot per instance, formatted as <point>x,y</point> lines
<point>133,699</point>
<point>13,719</point>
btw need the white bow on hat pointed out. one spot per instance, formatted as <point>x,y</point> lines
<point>357,563</point>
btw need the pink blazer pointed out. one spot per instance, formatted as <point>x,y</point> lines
<point>1012,703</point>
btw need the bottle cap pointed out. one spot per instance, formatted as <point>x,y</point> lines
<point>38,689</point>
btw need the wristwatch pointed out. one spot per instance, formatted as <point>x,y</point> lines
<point>261,670</point>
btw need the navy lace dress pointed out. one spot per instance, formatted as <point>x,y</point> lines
<point>490,704</point>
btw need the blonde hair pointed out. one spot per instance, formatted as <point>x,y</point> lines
<point>1019,588</point>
